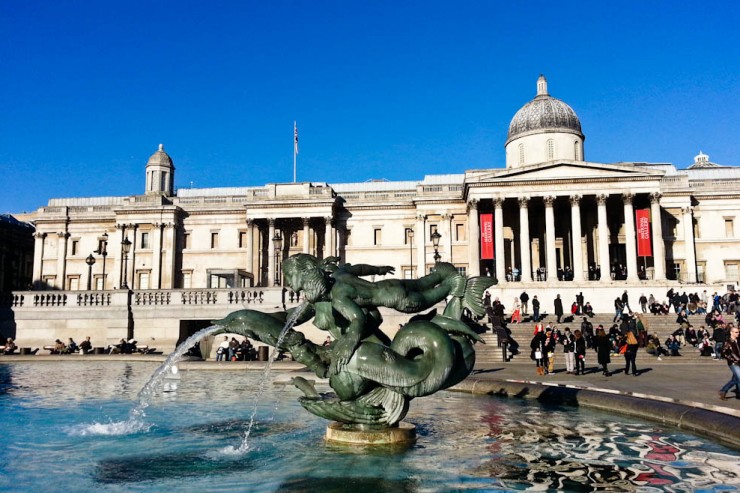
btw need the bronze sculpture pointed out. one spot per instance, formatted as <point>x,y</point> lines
<point>373,377</point>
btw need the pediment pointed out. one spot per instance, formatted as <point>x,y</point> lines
<point>563,170</point>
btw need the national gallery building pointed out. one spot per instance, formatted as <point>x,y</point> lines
<point>549,221</point>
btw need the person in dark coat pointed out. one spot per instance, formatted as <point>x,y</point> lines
<point>603,350</point>
<point>538,349</point>
<point>558,307</point>
<point>580,347</point>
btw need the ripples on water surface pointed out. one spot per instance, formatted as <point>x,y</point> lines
<point>62,417</point>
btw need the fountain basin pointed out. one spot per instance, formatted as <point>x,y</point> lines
<point>362,435</point>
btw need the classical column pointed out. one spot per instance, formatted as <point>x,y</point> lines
<point>629,240</point>
<point>688,243</point>
<point>115,247</point>
<point>658,243</point>
<point>473,238</point>
<point>447,236</point>
<point>271,253</point>
<point>421,242</point>
<point>169,258</point>
<point>327,237</point>
<point>62,260</point>
<point>525,247</point>
<point>575,227</point>
<point>250,250</point>
<point>156,281</point>
<point>498,239</point>
<point>550,254</point>
<point>38,260</point>
<point>603,238</point>
<point>306,237</point>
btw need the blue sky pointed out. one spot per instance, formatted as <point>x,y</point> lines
<point>380,89</point>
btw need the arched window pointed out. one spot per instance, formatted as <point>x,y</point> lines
<point>577,150</point>
<point>550,150</point>
<point>521,153</point>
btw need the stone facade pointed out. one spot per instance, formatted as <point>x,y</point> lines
<point>550,213</point>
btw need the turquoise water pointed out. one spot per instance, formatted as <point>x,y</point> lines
<point>65,429</point>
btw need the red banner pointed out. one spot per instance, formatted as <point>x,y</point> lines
<point>642,227</point>
<point>486,236</point>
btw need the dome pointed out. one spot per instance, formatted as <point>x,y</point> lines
<point>544,114</point>
<point>160,158</point>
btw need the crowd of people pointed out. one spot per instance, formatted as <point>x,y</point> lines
<point>233,350</point>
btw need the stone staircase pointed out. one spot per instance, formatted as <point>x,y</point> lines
<point>663,325</point>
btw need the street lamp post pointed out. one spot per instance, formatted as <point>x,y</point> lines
<point>103,251</point>
<point>411,251</point>
<point>125,248</point>
<point>435,242</point>
<point>90,261</point>
<point>277,242</point>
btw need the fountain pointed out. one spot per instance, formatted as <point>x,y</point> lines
<point>373,378</point>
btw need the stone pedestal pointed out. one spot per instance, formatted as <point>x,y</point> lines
<point>368,435</point>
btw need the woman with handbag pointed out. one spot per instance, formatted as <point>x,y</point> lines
<point>539,355</point>
<point>630,353</point>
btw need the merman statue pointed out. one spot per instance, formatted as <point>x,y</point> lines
<point>373,378</point>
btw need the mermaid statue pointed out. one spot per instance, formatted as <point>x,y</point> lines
<point>373,378</point>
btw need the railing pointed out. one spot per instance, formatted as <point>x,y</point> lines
<point>93,299</point>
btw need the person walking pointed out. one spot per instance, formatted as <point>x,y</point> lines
<point>536,309</point>
<point>516,314</point>
<point>524,298</point>
<point>558,307</point>
<point>626,301</point>
<point>731,353</point>
<point>603,350</point>
<point>630,353</point>
<point>569,342</point>
<point>538,351</point>
<point>580,352</point>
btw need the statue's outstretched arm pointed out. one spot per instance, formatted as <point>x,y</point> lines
<point>368,270</point>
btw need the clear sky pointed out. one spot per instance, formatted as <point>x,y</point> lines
<point>380,89</point>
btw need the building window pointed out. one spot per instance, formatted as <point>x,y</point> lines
<point>186,240</point>
<point>214,240</point>
<point>75,247</point>
<point>432,230</point>
<point>144,280</point>
<point>408,236</point>
<point>377,236</point>
<point>459,232</point>
<point>729,228</point>
<point>294,239</point>
<point>73,283</point>
<point>348,237</point>
<point>187,279</point>
<point>732,271</point>
<point>521,153</point>
<point>242,239</point>
<point>577,150</point>
<point>550,149</point>
<point>144,240</point>
<point>99,283</point>
<point>462,270</point>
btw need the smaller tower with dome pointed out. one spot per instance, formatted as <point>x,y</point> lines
<point>160,173</point>
<point>545,129</point>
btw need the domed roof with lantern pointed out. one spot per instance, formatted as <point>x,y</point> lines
<point>160,158</point>
<point>544,114</point>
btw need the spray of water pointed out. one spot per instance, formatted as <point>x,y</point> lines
<point>244,446</point>
<point>136,422</point>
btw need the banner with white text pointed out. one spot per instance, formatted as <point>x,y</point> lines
<point>642,226</point>
<point>486,236</point>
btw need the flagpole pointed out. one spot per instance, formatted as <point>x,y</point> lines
<point>295,148</point>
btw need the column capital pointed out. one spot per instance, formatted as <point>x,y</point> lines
<point>271,222</point>
<point>305,221</point>
<point>523,201</point>
<point>601,198</point>
<point>498,202</point>
<point>655,197</point>
<point>446,216</point>
<point>575,200</point>
<point>627,198</point>
<point>549,200</point>
<point>39,235</point>
<point>249,221</point>
<point>327,220</point>
<point>420,217</point>
<point>687,210</point>
<point>473,203</point>
<point>63,234</point>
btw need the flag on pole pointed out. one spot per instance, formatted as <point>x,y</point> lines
<point>295,138</point>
